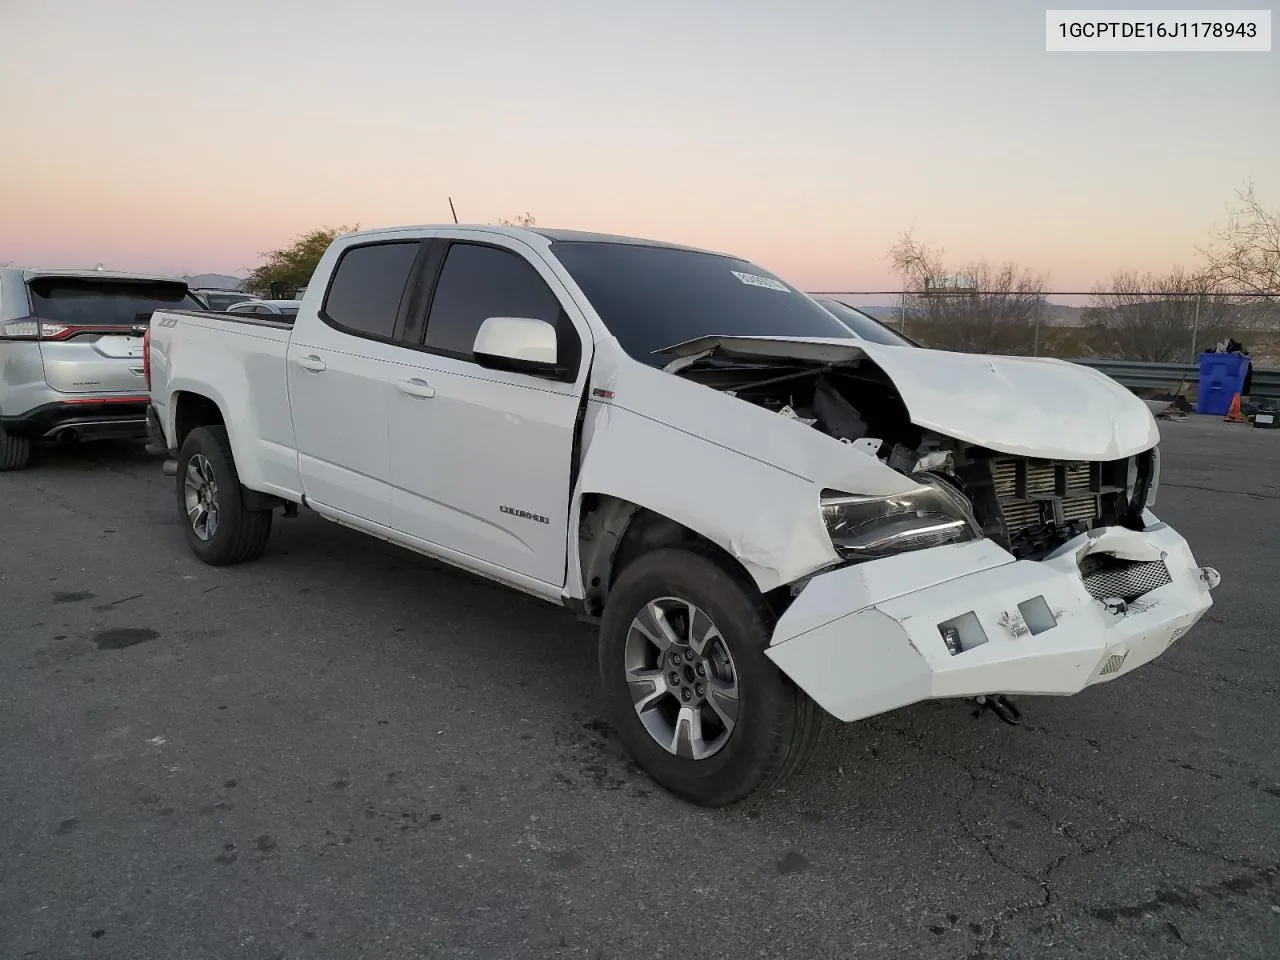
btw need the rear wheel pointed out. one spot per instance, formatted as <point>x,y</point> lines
<point>219,528</point>
<point>695,698</point>
<point>15,452</point>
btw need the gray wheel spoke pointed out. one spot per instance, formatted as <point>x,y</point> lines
<point>200,494</point>
<point>647,688</point>
<point>687,740</point>
<point>652,622</point>
<point>679,679</point>
<point>722,697</point>
<point>701,631</point>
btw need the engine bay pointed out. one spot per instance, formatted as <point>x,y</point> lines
<point>1028,506</point>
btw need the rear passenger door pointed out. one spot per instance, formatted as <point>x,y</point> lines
<point>481,459</point>
<point>338,370</point>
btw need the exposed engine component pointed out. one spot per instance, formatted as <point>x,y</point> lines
<point>1030,507</point>
<point>839,417</point>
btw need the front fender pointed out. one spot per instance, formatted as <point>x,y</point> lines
<point>766,517</point>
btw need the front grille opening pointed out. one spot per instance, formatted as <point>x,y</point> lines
<point>1107,577</point>
<point>1113,664</point>
<point>1031,507</point>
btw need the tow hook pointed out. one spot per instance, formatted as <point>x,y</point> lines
<point>1001,706</point>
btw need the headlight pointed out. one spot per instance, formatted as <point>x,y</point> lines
<point>868,528</point>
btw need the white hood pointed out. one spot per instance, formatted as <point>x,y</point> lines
<point>1027,406</point>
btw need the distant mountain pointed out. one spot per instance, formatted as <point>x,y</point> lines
<point>220,281</point>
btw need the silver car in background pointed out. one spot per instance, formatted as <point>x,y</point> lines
<point>71,354</point>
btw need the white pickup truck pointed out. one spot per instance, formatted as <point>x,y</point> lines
<point>772,514</point>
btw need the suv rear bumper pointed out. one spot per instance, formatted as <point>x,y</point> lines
<point>90,418</point>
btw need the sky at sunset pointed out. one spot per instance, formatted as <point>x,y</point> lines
<point>188,136</point>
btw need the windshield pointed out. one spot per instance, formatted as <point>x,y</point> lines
<point>652,297</point>
<point>81,302</point>
<point>865,326</point>
<point>221,301</point>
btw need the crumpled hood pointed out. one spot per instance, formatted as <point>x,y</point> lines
<point>1026,406</point>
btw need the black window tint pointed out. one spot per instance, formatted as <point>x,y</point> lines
<point>653,297</point>
<point>864,326</point>
<point>85,301</point>
<point>368,283</point>
<point>479,282</point>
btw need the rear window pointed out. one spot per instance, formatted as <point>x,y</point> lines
<point>77,302</point>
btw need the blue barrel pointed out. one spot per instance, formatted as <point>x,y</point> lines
<point>1221,378</point>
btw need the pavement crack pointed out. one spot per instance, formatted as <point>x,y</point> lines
<point>1239,683</point>
<point>1234,493</point>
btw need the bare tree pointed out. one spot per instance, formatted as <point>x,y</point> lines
<point>1130,323</point>
<point>1245,257</point>
<point>525,219</point>
<point>1000,317</point>
<point>915,262</point>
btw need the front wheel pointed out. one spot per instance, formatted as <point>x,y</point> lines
<point>220,529</point>
<point>685,675</point>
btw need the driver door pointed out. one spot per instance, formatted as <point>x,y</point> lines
<point>481,459</point>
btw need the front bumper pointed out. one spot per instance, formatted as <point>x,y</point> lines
<point>865,639</point>
<point>90,418</point>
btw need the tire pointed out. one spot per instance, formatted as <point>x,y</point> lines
<point>238,535</point>
<point>15,452</point>
<point>776,726</point>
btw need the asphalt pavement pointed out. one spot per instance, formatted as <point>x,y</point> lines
<point>345,751</point>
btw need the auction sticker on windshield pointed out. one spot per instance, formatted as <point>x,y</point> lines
<point>751,280</point>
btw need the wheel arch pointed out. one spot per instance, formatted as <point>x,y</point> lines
<point>613,532</point>
<point>191,410</point>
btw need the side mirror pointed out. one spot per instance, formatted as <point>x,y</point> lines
<point>519,344</point>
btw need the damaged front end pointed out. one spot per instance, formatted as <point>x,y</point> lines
<point>1012,567</point>
<point>1028,505</point>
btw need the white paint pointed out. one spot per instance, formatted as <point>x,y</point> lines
<point>1027,406</point>
<point>900,635</point>
<point>474,467</point>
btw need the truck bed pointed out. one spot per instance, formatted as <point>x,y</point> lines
<point>245,318</point>
<point>238,361</point>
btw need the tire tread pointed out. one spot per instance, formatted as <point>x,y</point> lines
<point>15,452</point>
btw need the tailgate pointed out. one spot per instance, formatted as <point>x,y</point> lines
<point>93,327</point>
<point>94,363</point>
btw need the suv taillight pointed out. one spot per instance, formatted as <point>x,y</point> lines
<point>33,328</point>
<point>146,356</point>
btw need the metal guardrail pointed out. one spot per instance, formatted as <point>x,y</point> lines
<point>1137,374</point>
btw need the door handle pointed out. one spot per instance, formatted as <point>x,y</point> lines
<point>312,362</point>
<point>414,387</point>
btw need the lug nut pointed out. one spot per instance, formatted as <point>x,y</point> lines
<point>675,657</point>
<point>685,695</point>
<point>701,669</point>
<point>674,678</point>
<point>699,689</point>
